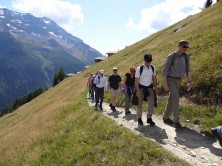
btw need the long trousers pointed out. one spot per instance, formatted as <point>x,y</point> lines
<point>173,99</point>
<point>99,94</point>
<point>150,103</point>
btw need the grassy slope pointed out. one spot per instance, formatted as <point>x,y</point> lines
<point>58,127</point>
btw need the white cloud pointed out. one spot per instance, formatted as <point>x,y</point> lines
<point>2,6</point>
<point>66,14</point>
<point>164,14</point>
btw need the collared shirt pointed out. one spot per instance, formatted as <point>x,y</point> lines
<point>100,82</point>
<point>146,78</point>
<point>178,68</point>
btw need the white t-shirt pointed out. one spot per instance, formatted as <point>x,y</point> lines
<point>145,78</point>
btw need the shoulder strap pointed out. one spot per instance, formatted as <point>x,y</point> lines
<point>141,69</point>
<point>172,59</point>
<point>152,67</point>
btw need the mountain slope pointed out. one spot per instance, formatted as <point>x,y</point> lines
<point>59,127</point>
<point>47,46</point>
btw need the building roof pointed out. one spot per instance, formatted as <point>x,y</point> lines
<point>102,57</point>
<point>111,52</point>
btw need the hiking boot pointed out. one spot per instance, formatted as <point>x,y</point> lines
<point>167,121</point>
<point>127,112</point>
<point>113,108</point>
<point>177,125</point>
<point>100,107</point>
<point>150,121</point>
<point>140,122</point>
<point>217,135</point>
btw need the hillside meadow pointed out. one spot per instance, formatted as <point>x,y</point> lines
<point>59,128</point>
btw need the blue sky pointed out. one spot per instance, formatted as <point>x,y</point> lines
<point>109,25</point>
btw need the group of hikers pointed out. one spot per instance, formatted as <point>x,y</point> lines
<point>141,84</point>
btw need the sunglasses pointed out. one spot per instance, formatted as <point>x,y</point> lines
<point>185,46</point>
<point>115,70</point>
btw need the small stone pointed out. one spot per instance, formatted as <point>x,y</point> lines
<point>193,154</point>
<point>214,164</point>
<point>184,147</point>
<point>105,160</point>
<point>174,145</point>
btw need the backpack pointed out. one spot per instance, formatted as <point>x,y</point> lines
<point>91,83</point>
<point>186,59</point>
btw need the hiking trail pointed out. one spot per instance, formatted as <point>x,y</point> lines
<point>188,144</point>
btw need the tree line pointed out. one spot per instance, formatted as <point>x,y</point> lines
<point>58,77</point>
<point>20,101</point>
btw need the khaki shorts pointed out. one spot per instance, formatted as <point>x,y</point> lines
<point>113,92</point>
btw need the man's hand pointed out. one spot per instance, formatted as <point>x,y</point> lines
<point>189,86</point>
<point>138,94</point>
<point>166,87</point>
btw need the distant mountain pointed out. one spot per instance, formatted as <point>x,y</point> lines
<point>32,50</point>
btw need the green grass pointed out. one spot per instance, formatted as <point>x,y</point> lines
<point>87,137</point>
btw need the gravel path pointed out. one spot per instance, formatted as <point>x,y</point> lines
<point>189,145</point>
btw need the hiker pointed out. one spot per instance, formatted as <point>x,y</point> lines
<point>128,88</point>
<point>176,65</point>
<point>89,85</point>
<point>144,83</point>
<point>217,132</point>
<point>113,86</point>
<point>100,81</point>
<point>94,85</point>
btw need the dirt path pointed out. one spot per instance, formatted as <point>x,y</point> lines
<point>187,144</point>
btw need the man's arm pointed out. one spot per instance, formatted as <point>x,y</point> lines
<point>155,84</point>
<point>138,94</point>
<point>189,85</point>
<point>165,84</point>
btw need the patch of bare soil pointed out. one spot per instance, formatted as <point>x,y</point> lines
<point>188,144</point>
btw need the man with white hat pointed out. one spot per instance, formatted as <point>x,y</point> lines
<point>101,84</point>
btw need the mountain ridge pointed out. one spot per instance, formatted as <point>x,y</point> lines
<point>48,46</point>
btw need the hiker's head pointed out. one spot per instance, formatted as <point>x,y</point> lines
<point>183,46</point>
<point>115,70</point>
<point>132,69</point>
<point>101,72</point>
<point>148,58</point>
